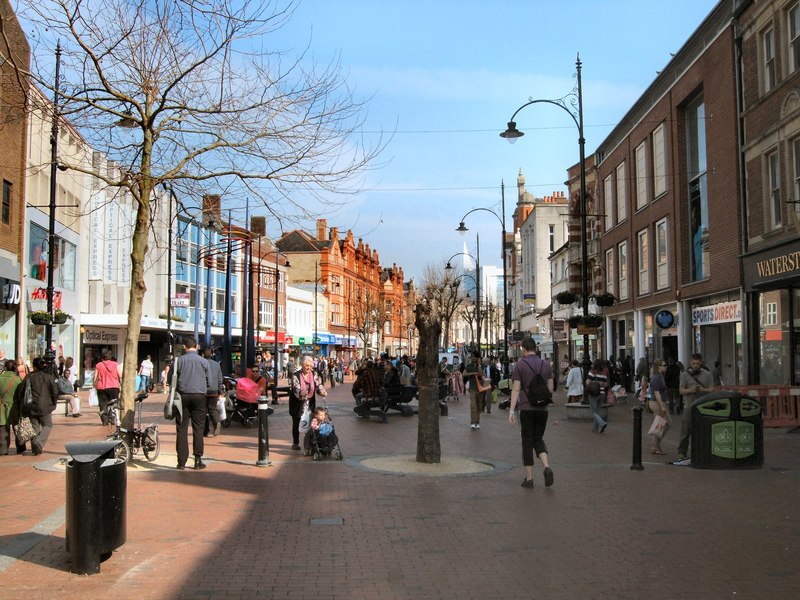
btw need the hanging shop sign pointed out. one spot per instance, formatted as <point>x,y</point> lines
<point>665,319</point>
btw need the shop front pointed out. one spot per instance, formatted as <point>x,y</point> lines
<point>717,335</point>
<point>9,314</point>
<point>772,285</point>
<point>95,341</point>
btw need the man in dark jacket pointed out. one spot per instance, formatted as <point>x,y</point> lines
<point>44,396</point>
<point>192,384</point>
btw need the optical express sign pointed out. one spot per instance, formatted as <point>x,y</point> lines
<point>724,312</point>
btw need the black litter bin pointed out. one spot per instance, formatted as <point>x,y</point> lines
<point>727,432</point>
<point>96,490</point>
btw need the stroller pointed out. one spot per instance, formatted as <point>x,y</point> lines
<point>241,402</point>
<point>324,441</point>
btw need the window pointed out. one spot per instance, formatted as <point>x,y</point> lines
<point>551,232</point>
<point>64,259</point>
<point>6,202</point>
<point>640,157</point>
<point>610,271</point>
<point>281,317</point>
<point>774,177</point>
<point>608,196</point>
<point>642,260</point>
<point>267,314</point>
<point>772,313</point>
<point>796,174</point>
<point>662,273</point>
<point>768,49</point>
<point>622,259</point>
<point>698,189</point>
<point>387,327</point>
<point>659,162</point>
<point>793,17</point>
<point>622,198</point>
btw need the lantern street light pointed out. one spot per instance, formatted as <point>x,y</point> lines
<point>477,280</point>
<point>572,104</point>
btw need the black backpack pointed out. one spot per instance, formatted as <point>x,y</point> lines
<point>538,393</point>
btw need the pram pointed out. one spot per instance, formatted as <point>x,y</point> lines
<point>241,401</point>
<point>620,394</point>
<point>324,441</point>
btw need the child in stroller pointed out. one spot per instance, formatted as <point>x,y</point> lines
<point>322,439</point>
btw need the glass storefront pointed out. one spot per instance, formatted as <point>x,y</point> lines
<point>779,325</point>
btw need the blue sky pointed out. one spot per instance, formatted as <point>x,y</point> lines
<point>449,74</point>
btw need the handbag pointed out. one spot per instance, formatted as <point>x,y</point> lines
<point>173,409</point>
<point>93,397</point>
<point>221,408</point>
<point>24,431</point>
<point>659,427</point>
<point>305,419</point>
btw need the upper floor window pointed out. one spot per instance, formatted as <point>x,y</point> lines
<point>6,202</point>
<point>774,179</point>
<point>642,262</point>
<point>622,259</point>
<point>640,158</point>
<point>793,18</point>
<point>694,114</point>
<point>551,232</point>
<point>772,313</point>
<point>796,174</point>
<point>659,162</point>
<point>622,198</point>
<point>768,62</point>
<point>662,271</point>
<point>608,196</point>
<point>610,271</point>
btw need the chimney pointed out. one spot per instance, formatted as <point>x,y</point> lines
<point>322,229</point>
<point>334,233</point>
<point>212,208</point>
<point>258,225</point>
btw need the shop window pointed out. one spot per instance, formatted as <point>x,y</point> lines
<point>774,338</point>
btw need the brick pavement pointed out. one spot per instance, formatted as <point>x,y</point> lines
<point>304,529</point>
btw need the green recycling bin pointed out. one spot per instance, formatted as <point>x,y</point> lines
<point>727,431</point>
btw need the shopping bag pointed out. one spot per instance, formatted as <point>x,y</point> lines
<point>93,397</point>
<point>611,398</point>
<point>659,427</point>
<point>221,408</point>
<point>305,419</point>
<point>24,431</point>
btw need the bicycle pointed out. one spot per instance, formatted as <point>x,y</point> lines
<point>132,440</point>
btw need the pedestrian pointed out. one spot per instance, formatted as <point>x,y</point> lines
<point>574,383</point>
<point>192,383</point>
<point>215,389</point>
<point>657,403</point>
<point>695,380</point>
<point>146,373</point>
<point>304,387</point>
<point>106,382</point>
<point>532,419</point>
<point>672,378</point>
<point>473,376</point>
<point>563,369</point>
<point>9,380</point>
<point>71,375</point>
<point>596,388</point>
<point>44,396</point>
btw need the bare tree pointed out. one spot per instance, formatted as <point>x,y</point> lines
<point>368,314</point>
<point>205,108</point>
<point>446,292</point>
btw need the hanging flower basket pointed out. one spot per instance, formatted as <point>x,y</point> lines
<point>565,298</point>
<point>604,299</point>
<point>60,317</point>
<point>574,322</point>
<point>39,317</point>
<point>593,321</point>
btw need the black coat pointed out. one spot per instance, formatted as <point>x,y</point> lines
<point>44,391</point>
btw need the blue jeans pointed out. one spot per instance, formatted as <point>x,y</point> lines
<point>594,403</point>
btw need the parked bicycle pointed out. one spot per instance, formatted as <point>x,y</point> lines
<point>131,441</point>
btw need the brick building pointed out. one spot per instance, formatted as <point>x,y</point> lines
<point>14,52</point>
<point>366,302</point>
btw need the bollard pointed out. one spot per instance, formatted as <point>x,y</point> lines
<point>637,439</point>
<point>263,432</point>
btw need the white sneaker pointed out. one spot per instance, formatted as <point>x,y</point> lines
<point>472,426</point>
<point>477,426</point>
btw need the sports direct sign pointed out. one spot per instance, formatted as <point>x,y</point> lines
<point>724,312</point>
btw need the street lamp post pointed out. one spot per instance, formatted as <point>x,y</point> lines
<point>275,315</point>
<point>572,104</point>
<point>477,280</point>
<point>502,218</point>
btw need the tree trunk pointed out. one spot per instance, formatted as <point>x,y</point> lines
<point>430,328</point>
